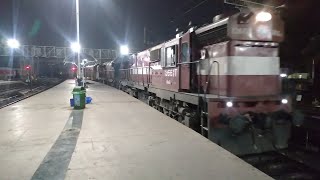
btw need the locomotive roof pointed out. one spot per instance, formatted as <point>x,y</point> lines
<point>156,47</point>
<point>198,31</point>
<point>212,25</point>
<point>164,44</point>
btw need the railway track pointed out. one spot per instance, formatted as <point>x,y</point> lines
<point>282,165</point>
<point>12,95</point>
<point>301,160</point>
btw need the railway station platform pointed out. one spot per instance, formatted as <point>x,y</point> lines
<point>115,137</point>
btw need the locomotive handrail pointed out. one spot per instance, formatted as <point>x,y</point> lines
<point>218,77</point>
<point>150,67</point>
<point>154,61</point>
<point>193,62</point>
<point>207,82</point>
<point>206,88</point>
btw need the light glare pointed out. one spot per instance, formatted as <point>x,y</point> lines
<point>284,101</point>
<point>75,47</point>
<point>283,75</point>
<point>229,104</point>
<point>13,43</point>
<point>263,16</point>
<point>124,50</point>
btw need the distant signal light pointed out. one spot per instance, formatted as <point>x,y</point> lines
<point>28,67</point>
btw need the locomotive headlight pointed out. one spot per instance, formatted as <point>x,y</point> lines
<point>283,75</point>
<point>229,104</point>
<point>263,16</point>
<point>284,101</point>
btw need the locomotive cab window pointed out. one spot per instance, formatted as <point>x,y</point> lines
<point>185,52</point>
<point>171,55</point>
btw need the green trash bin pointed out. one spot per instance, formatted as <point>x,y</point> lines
<point>79,97</point>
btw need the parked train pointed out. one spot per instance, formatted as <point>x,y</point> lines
<point>222,80</point>
<point>7,73</point>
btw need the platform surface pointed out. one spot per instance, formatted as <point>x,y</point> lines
<point>115,137</point>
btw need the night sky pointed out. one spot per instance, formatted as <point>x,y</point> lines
<point>108,23</point>
<point>103,23</point>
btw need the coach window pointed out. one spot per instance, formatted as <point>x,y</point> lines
<point>185,52</point>
<point>171,56</point>
<point>155,55</point>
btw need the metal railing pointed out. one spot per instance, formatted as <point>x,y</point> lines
<point>55,52</point>
<point>209,70</point>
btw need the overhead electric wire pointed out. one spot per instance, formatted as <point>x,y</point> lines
<point>202,2</point>
<point>190,9</point>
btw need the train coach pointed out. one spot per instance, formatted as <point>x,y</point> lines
<point>222,80</point>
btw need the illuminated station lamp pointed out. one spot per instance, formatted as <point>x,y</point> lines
<point>75,47</point>
<point>124,50</point>
<point>13,43</point>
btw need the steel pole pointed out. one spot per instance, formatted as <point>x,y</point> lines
<point>78,37</point>
<point>82,74</point>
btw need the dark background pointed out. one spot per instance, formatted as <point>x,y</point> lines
<point>103,23</point>
<point>108,23</point>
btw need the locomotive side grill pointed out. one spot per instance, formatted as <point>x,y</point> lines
<point>212,26</point>
<point>213,36</point>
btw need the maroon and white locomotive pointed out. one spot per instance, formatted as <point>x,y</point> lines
<point>221,80</point>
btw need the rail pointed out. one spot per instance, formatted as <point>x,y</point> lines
<point>193,62</point>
